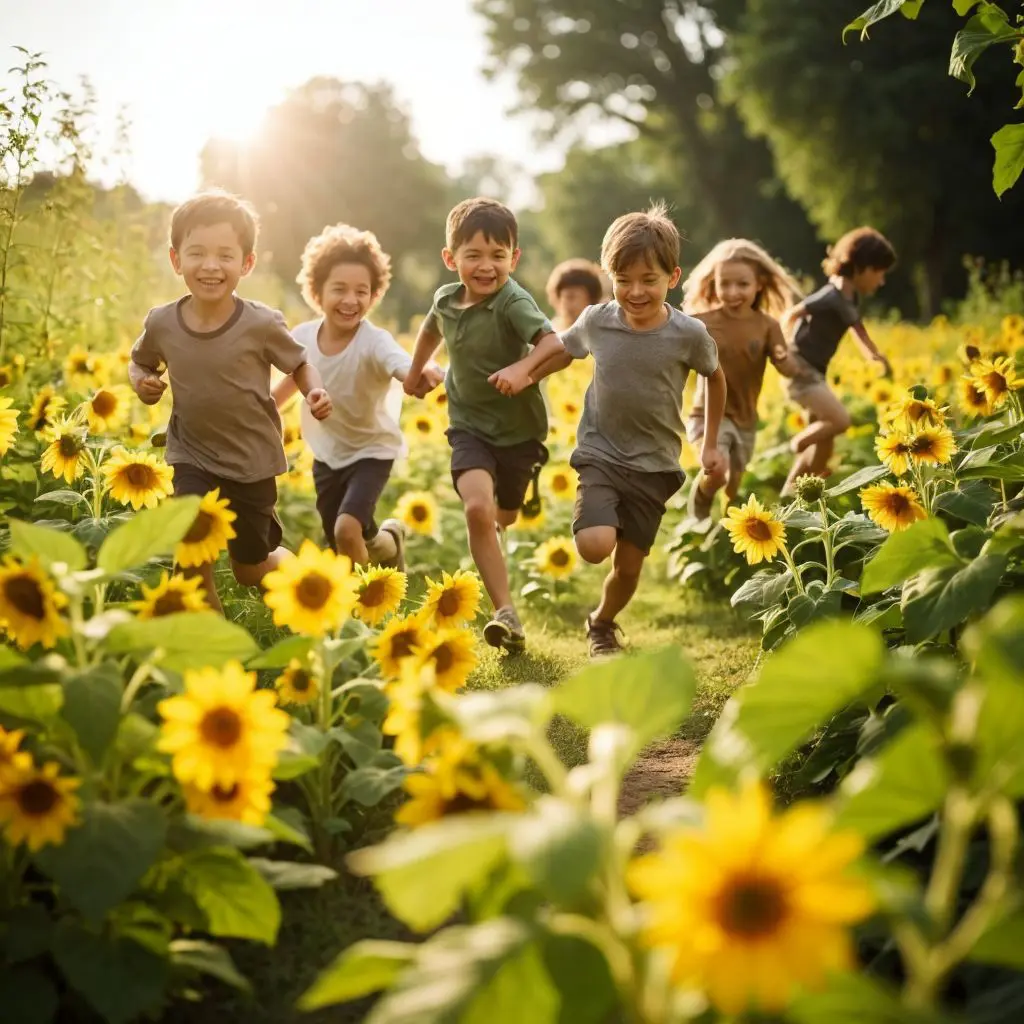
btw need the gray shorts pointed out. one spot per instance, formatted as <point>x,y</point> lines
<point>801,378</point>
<point>734,442</point>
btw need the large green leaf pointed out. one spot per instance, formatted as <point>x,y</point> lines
<point>856,999</point>
<point>581,974</point>
<point>51,547</point>
<point>199,957</point>
<point>370,784</point>
<point>879,11</point>
<point>996,643</point>
<point>799,688</point>
<point>282,652</point>
<point>1008,143</point>
<point>237,900</point>
<point>906,782</point>
<point>29,995</point>
<point>34,703</point>
<point>148,534</point>
<point>520,990</point>
<point>990,465</point>
<point>1003,943</point>
<point>454,854</point>
<point>651,693</point>
<point>763,589</point>
<point>999,757</point>
<point>855,481</point>
<point>972,502</point>
<point>988,27</point>
<point>102,860</point>
<point>122,980</point>
<point>92,707</point>
<point>362,969</point>
<point>925,545</point>
<point>186,639</point>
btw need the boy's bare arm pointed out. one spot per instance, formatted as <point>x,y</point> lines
<point>868,348</point>
<point>520,375</point>
<point>427,342</point>
<point>711,459</point>
<point>283,390</point>
<point>146,383</point>
<point>307,379</point>
<point>790,317</point>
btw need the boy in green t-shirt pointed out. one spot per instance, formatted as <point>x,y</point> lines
<point>498,422</point>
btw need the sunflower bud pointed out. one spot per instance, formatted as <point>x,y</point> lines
<point>810,488</point>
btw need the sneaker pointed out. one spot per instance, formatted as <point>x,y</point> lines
<point>698,505</point>
<point>601,635</point>
<point>505,630</point>
<point>396,528</point>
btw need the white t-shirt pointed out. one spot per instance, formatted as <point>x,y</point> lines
<point>366,395</point>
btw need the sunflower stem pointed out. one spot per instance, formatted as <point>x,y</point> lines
<point>828,540</point>
<point>792,568</point>
<point>139,676</point>
<point>545,758</point>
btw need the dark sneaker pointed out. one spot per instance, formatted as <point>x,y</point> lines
<point>396,528</point>
<point>699,504</point>
<point>506,631</point>
<point>603,638</point>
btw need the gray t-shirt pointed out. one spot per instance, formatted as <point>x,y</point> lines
<point>632,412</point>
<point>223,418</point>
<point>830,314</point>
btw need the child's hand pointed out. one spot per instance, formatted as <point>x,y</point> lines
<point>431,377</point>
<point>885,364</point>
<point>511,380</point>
<point>320,404</point>
<point>412,384</point>
<point>151,388</point>
<point>712,461</point>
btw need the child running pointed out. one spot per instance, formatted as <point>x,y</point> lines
<point>736,291</point>
<point>344,274</point>
<point>225,432</point>
<point>629,438</point>
<point>488,324</point>
<point>572,286</point>
<point>856,266</point>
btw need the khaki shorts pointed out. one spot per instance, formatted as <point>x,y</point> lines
<point>734,442</point>
<point>801,378</point>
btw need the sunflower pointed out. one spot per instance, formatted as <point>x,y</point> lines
<point>246,800</point>
<point>997,378</point>
<point>6,376</point>
<point>313,592</point>
<point>945,374</point>
<point>380,592</point>
<point>8,424</point>
<point>222,730</point>
<point>754,531</point>
<point>893,506</point>
<point>453,601</point>
<point>912,413</point>
<point>30,604</point>
<point>881,392</point>
<point>209,533</point>
<point>933,446</point>
<point>296,684</point>
<point>11,758</point>
<point>398,640</point>
<point>45,408</point>
<point>556,558</point>
<point>418,510</point>
<point>108,408</point>
<point>753,906</point>
<point>974,400</point>
<point>438,399</point>
<point>894,450</point>
<point>172,594</point>
<point>37,806</point>
<point>80,365</point>
<point>452,654</point>
<point>560,481</point>
<point>65,453</point>
<point>404,720</point>
<point>139,479</point>
<point>424,426</point>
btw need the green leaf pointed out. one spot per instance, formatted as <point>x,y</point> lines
<point>33,703</point>
<point>906,782</point>
<point>62,497</point>
<point>187,639</point>
<point>998,433</point>
<point>987,28</point>
<point>237,900</point>
<point>1003,943</point>
<point>991,465</point>
<point>92,707</point>
<point>369,785</point>
<point>1008,143</point>
<point>938,599</point>
<point>763,589</point>
<point>999,756</point>
<point>25,933</point>
<point>799,688</point>
<point>560,848</point>
<point>521,982</point>
<point>102,860</point>
<point>455,855</point>
<point>963,7</point>
<point>855,481</point>
<point>120,979</point>
<point>282,874</point>
<point>924,545</point>
<point>29,995</point>
<point>51,547</point>
<point>972,502</point>
<point>289,828</point>
<point>996,643</point>
<point>852,998</point>
<point>207,958</point>
<point>581,975</point>
<point>498,715</point>
<point>876,13</point>
<point>362,969</point>
<point>651,693</point>
<point>148,534</point>
<point>282,652</point>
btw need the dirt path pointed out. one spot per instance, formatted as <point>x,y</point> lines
<point>662,770</point>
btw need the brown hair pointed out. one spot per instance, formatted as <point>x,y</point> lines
<point>342,243</point>
<point>494,219</point>
<point>858,250</point>
<point>215,206</point>
<point>577,273</point>
<point>648,236</point>
<point>776,289</point>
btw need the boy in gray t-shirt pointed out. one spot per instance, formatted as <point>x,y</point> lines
<point>629,438</point>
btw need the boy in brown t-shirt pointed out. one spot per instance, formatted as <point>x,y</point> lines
<point>224,432</point>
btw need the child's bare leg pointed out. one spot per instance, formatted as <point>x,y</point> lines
<point>348,539</point>
<point>820,455</point>
<point>829,418</point>
<point>252,575</point>
<point>205,573</point>
<point>732,487</point>
<point>596,543</point>
<point>476,489</point>
<point>621,583</point>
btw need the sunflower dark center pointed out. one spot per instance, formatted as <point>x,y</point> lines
<point>444,658</point>
<point>138,474</point>
<point>169,603</point>
<point>996,382</point>
<point>899,503</point>
<point>5,378</point>
<point>559,558</point>
<point>374,594</point>
<point>462,803</point>
<point>104,404</point>
<point>402,644</point>
<point>26,595</point>
<point>448,603</point>
<point>423,425</point>
<point>752,908</point>
<point>69,446</point>
<point>923,445</point>
<point>38,798</point>
<point>560,482</point>
<point>759,530</point>
<point>313,591</point>
<point>301,681</point>
<point>419,513</point>
<point>224,794</point>
<point>221,727</point>
<point>200,528</point>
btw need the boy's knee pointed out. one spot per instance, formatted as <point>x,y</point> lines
<point>841,421</point>
<point>248,575</point>
<point>348,532</point>
<point>481,513</point>
<point>593,548</point>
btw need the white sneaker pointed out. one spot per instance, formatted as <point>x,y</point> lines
<point>396,528</point>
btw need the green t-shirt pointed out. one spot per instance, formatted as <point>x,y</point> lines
<point>482,339</point>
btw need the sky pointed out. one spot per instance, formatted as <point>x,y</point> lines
<point>189,70</point>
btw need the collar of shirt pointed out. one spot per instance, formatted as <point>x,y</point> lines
<point>449,292</point>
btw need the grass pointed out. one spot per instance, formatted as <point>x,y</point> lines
<point>319,923</point>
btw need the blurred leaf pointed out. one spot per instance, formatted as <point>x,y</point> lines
<point>996,643</point>
<point>282,652</point>
<point>207,958</point>
<point>581,975</point>
<point>150,533</point>
<point>856,999</point>
<point>282,874</point>
<point>92,707</point>
<point>369,785</point>
<point>32,702</point>
<point>924,545</point>
<point>362,969</point>
<point>187,639</point>
<point>29,995</point>
<point>62,497</point>
<point>1008,143</point>
<point>51,547</point>
<point>1003,943</point>
<point>498,715</point>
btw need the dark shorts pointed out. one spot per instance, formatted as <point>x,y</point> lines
<point>354,491</point>
<point>512,467</point>
<point>257,528</point>
<point>631,501</point>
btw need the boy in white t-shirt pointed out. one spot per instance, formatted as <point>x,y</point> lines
<point>344,273</point>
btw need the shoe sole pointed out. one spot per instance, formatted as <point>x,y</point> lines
<point>497,634</point>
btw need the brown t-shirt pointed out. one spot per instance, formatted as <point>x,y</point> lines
<point>744,346</point>
<point>223,418</point>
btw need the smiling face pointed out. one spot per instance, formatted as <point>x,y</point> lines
<point>483,264</point>
<point>347,296</point>
<point>641,289</point>
<point>212,262</point>
<point>736,285</point>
